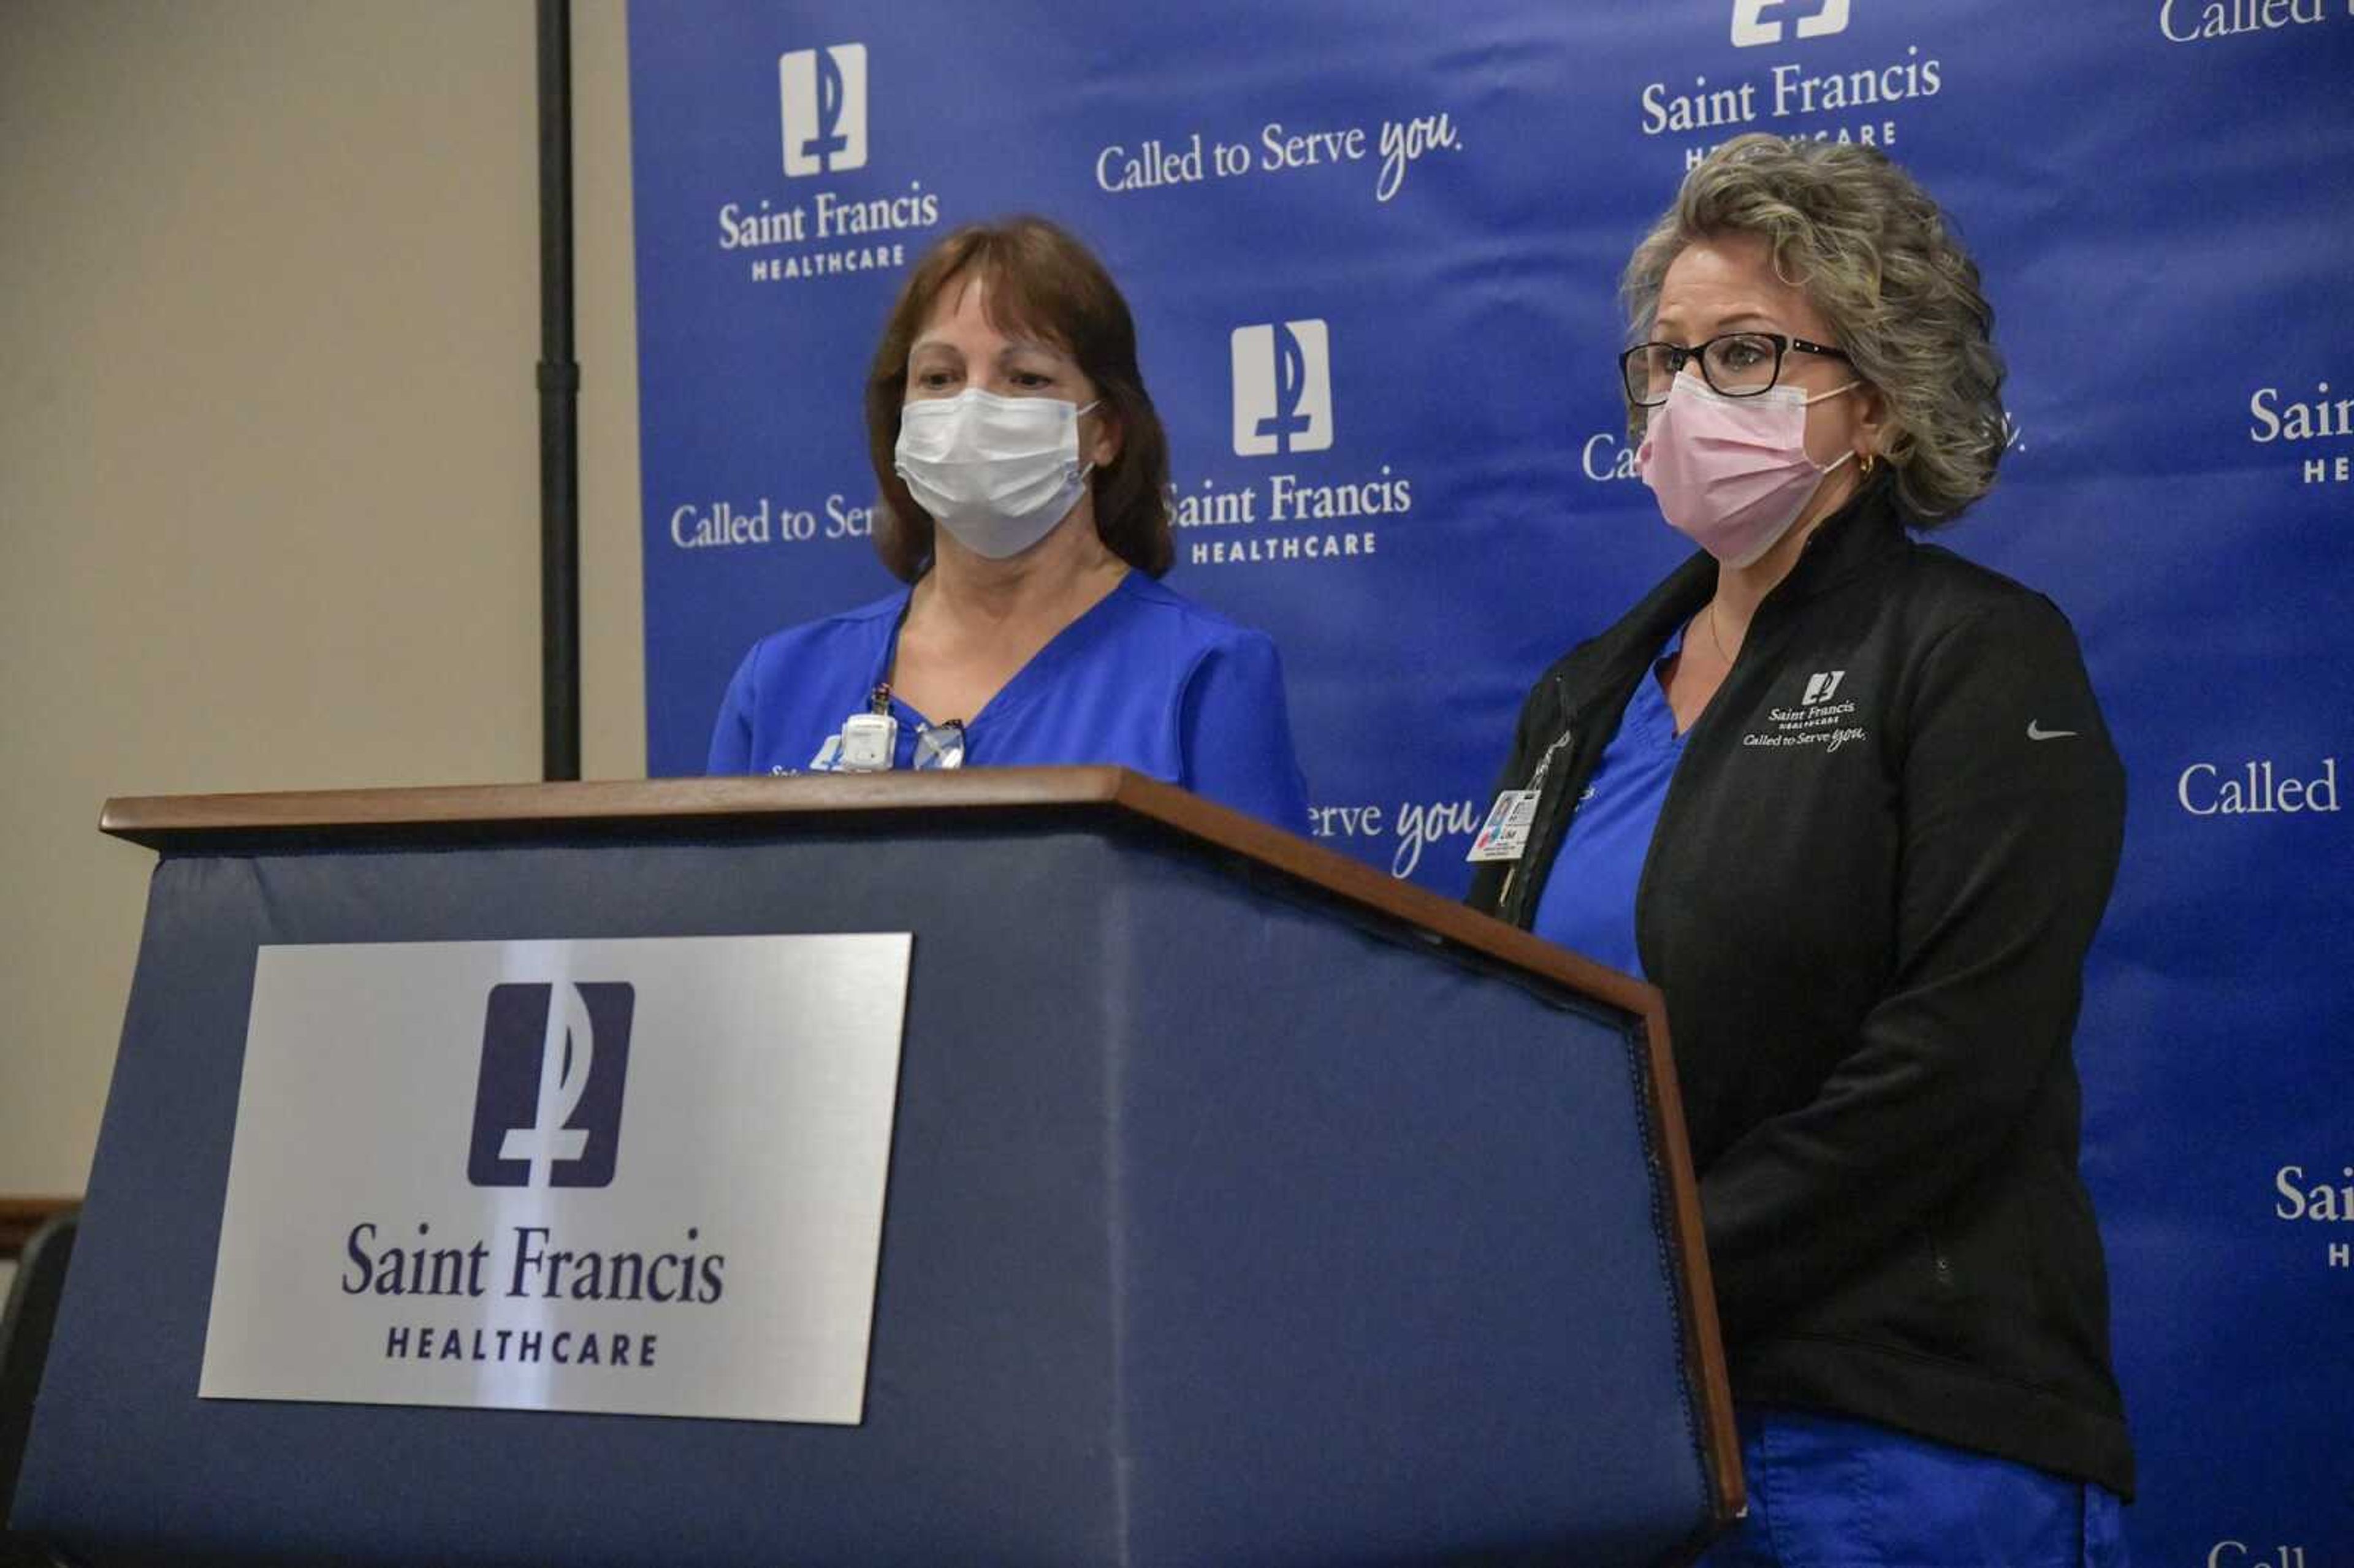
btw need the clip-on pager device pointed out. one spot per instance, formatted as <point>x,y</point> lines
<point>869,739</point>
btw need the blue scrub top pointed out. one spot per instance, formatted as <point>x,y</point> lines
<point>1145,679</point>
<point>1588,903</point>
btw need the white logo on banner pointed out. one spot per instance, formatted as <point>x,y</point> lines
<point>1283,408</point>
<point>1417,825</point>
<point>2256,789</point>
<point>1153,164</point>
<point>1750,26</point>
<point>2239,1555</point>
<point>1283,388</point>
<point>723,525</point>
<point>2320,418</point>
<point>821,233</point>
<point>1607,459</point>
<point>823,101</point>
<point>1858,94</point>
<point>2228,19</point>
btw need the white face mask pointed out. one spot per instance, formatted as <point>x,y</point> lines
<point>996,472</point>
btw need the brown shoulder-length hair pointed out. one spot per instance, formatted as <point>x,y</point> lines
<point>1042,282</point>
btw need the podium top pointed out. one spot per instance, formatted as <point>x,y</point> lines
<point>702,808</point>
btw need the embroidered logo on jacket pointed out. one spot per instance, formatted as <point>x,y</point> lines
<point>1816,720</point>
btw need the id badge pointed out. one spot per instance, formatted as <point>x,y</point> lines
<point>1505,833</point>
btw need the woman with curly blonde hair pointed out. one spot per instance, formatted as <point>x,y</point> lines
<point>1847,800</point>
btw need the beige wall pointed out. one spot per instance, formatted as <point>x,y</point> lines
<point>269,459</point>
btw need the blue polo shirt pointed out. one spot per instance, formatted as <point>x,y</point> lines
<point>1145,679</point>
<point>1588,902</point>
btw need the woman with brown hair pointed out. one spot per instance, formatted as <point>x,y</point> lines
<point>1024,479</point>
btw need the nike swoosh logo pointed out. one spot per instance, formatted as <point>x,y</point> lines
<point>2033,732</point>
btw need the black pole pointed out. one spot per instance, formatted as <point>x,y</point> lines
<point>559,398</point>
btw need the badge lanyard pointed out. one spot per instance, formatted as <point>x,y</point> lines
<point>1505,834</point>
<point>868,741</point>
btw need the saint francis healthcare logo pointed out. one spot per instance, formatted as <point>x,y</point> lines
<point>823,93</point>
<point>1283,408</point>
<point>797,234</point>
<point>547,1108</point>
<point>1756,22</point>
<point>1823,93</point>
<point>1820,718</point>
<point>1283,388</point>
<point>446,1264</point>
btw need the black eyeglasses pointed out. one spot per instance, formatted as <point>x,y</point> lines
<point>1738,365</point>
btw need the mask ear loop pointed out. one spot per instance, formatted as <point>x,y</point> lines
<point>1865,460</point>
<point>1087,466</point>
<point>1861,468</point>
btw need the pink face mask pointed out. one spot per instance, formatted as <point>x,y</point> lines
<point>1732,472</point>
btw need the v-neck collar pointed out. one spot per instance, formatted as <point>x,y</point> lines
<point>1025,685</point>
<point>1649,711</point>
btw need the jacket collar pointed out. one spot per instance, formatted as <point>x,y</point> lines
<point>1868,528</point>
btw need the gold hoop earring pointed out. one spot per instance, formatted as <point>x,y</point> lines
<point>1865,466</point>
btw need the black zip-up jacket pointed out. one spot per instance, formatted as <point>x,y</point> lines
<point>1876,872</point>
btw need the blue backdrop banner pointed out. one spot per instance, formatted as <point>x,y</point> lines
<point>1372,248</point>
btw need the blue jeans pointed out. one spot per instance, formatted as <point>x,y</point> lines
<point>1829,1492</point>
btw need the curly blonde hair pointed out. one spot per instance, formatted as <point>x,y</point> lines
<point>1879,258</point>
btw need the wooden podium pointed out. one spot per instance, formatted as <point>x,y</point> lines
<point>1244,1206</point>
